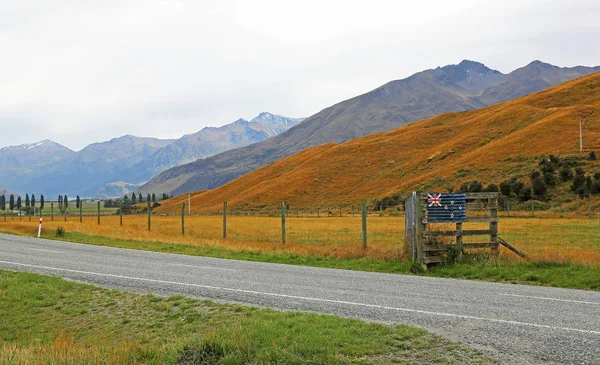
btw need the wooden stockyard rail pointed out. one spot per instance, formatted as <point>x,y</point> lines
<point>422,237</point>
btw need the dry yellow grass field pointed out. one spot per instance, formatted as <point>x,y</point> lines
<point>65,351</point>
<point>573,240</point>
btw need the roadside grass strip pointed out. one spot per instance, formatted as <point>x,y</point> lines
<point>47,320</point>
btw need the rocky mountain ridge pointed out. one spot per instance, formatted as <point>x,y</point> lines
<point>121,164</point>
<point>466,86</point>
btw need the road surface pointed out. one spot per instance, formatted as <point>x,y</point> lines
<point>513,323</point>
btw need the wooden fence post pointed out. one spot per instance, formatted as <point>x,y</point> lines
<point>283,214</point>
<point>98,211</point>
<point>182,219</point>
<point>353,210</point>
<point>52,211</point>
<point>121,213</point>
<point>493,209</point>
<point>225,220</point>
<point>508,206</point>
<point>419,228</point>
<point>29,215</point>
<point>364,222</point>
<point>319,212</point>
<point>341,210</point>
<point>459,238</point>
<point>80,211</point>
<point>20,214</point>
<point>65,213</point>
<point>149,215</point>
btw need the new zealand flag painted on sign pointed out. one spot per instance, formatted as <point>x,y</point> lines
<point>446,207</point>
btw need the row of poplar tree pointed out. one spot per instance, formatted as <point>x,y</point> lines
<point>63,202</point>
<point>139,198</point>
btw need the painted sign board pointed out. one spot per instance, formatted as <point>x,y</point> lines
<point>446,207</point>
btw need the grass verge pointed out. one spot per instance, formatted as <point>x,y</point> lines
<point>564,275</point>
<point>47,320</point>
<point>561,275</point>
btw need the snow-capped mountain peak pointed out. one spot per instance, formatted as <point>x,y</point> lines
<point>273,124</point>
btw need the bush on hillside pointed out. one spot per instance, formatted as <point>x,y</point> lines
<point>592,156</point>
<point>388,202</point>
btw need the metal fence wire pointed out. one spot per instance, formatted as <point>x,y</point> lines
<point>563,232</point>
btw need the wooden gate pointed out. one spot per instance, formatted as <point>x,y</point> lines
<point>424,228</point>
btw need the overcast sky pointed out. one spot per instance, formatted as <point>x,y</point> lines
<point>85,71</point>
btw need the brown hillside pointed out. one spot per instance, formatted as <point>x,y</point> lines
<point>488,144</point>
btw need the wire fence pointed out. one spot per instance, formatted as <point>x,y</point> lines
<point>559,232</point>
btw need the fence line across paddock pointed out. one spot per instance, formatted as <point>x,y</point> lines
<point>554,234</point>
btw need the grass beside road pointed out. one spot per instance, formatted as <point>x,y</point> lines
<point>46,320</point>
<point>561,275</point>
<point>564,275</point>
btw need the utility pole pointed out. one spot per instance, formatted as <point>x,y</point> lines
<point>580,137</point>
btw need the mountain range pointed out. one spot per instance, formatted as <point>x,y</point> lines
<point>115,167</point>
<point>490,145</point>
<point>466,86</point>
<point>32,155</point>
<point>5,192</point>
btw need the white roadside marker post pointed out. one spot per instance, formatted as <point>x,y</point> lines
<point>40,228</point>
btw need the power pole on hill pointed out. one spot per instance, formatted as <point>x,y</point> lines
<point>580,137</point>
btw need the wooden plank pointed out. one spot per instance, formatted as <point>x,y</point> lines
<point>481,207</point>
<point>435,248</point>
<point>494,226</point>
<point>472,232</point>
<point>470,220</point>
<point>420,227</point>
<point>511,247</point>
<point>459,236</point>
<point>439,233</point>
<point>433,259</point>
<point>478,245</point>
<point>482,219</point>
<point>473,196</point>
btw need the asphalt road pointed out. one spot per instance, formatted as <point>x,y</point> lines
<point>513,323</point>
